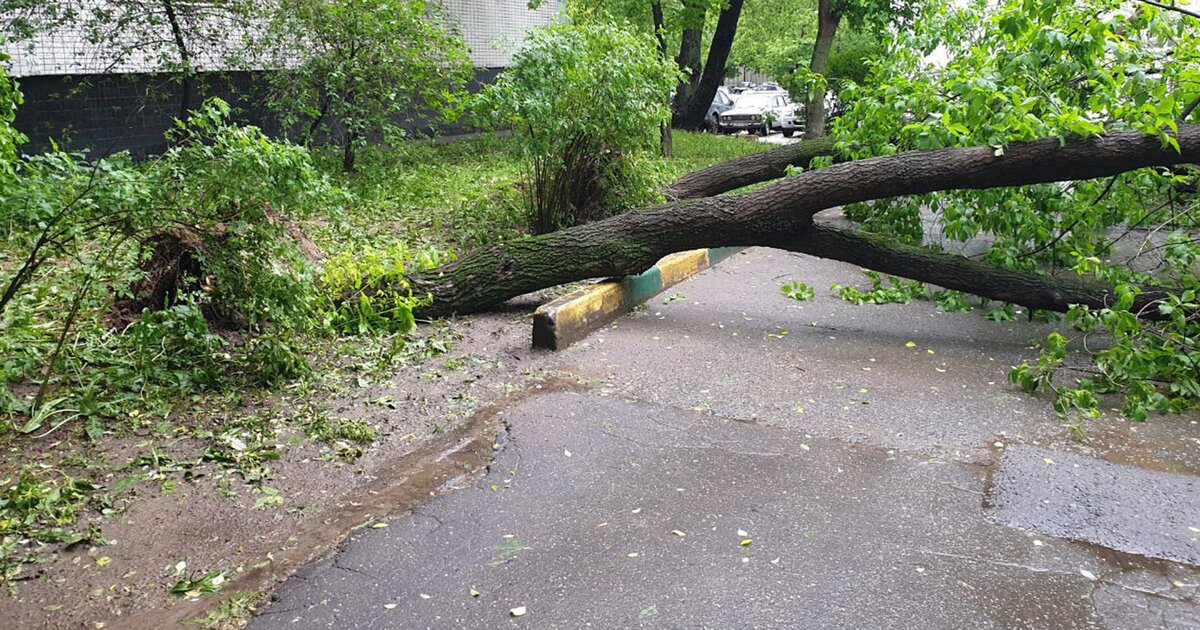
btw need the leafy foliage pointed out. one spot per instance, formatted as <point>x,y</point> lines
<point>222,188</point>
<point>234,187</point>
<point>1022,70</point>
<point>586,100</point>
<point>797,291</point>
<point>899,291</point>
<point>366,65</point>
<point>10,138</point>
<point>366,290</point>
<point>34,511</point>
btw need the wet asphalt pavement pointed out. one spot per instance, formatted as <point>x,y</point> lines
<point>737,459</point>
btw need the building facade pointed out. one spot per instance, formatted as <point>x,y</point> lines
<point>86,97</point>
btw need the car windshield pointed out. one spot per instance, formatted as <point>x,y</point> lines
<point>755,100</point>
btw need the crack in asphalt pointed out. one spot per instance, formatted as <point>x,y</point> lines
<point>336,564</point>
<point>419,511</point>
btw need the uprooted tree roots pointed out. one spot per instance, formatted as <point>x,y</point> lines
<point>172,268</point>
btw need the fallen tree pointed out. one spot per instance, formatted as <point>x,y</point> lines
<point>781,215</point>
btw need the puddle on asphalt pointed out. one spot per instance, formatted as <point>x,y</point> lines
<point>1130,510</point>
<point>1165,443</point>
<point>1125,562</point>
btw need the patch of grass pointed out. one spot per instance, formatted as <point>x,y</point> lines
<point>452,197</point>
<point>695,151</point>
<point>355,431</point>
<point>464,194</point>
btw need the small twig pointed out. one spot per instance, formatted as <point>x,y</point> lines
<point>1170,7</point>
<point>1187,111</point>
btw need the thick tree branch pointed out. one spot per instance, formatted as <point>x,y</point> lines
<point>951,271</point>
<point>696,109</point>
<point>778,214</point>
<point>744,171</point>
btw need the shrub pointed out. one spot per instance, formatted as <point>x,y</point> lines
<point>585,100</point>
<point>196,237</point>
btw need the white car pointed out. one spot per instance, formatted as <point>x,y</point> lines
<point>758,112</point>
<point>792,121</point>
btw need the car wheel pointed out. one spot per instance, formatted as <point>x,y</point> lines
<point>788,133</point>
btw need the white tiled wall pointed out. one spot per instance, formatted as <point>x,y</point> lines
<point>491,29</point>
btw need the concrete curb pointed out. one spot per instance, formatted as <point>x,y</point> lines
<point>572,317</point>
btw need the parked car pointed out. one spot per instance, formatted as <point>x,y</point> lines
<point>792,121</point>
<point>759,112</point>
<point>722,102</point>
<point>741,89</point>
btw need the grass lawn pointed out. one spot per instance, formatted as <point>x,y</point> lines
<point>465,194</point>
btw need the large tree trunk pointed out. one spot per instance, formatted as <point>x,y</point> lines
<point>814,110</point>
<point>778,215</point>
<point>667,144</point>
<point>747,170</point>
<point>692,20</point>
<point>714,68</point>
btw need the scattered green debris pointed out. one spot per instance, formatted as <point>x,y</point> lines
<point>797,291</point>
<point>233,613</point>
<point>205,584</point>
<point>38,507</point>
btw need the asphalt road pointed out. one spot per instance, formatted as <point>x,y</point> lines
<point>740,460</point>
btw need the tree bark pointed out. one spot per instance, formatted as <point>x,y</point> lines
<point>714,69</point>
<point>693,18</point>
<point>814,110</point>
<point>747,170</point>
<point>951,271</point>
<point>348,152</point>
<point>778,215</point>
<point>185,59</point>
<point>664,130</point>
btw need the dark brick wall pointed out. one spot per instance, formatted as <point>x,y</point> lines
<point>110,113</point>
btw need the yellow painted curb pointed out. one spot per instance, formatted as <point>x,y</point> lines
<point>572,317</point>
<point>678,267</point>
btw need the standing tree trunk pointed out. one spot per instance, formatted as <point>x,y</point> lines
<point>814,110</point>
<point>348,152</point>
<point>665,128</point>
<point>714,68</point>
<point>692,20</point>
<point>185,59</point>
